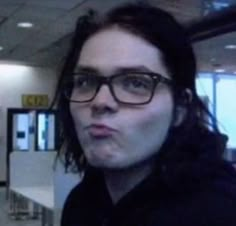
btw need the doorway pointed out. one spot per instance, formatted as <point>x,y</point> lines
<point>30,130</point>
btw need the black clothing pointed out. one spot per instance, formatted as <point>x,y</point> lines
<point>197,192</point>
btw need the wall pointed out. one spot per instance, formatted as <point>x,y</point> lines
<point>16,80</point>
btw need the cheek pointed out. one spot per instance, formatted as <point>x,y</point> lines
<point>77,115</point>
<point>158,115</point>
<point>148,128</point>
<point>158,118</point>
<point>155,124</point>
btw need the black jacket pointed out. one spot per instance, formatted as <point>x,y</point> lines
<point>197,192</point>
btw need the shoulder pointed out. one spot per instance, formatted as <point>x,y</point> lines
<point>215,200</point>
<point>80,203</point>
<point>215,205</point>
<point>202,208</point>
<point>74,194</point>
<point>71,205</point>
<point>83,191</point>
<point>211,202</point>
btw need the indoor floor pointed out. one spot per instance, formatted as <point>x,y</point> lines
<point>7,220</point>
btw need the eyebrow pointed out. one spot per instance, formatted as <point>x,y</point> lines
<point>123,69</point>
<point>86,69</point>
<point>139,68</point>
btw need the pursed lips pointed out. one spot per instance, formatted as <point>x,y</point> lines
<point>100,130</point>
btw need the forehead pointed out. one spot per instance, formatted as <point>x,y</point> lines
<point>113,48</point>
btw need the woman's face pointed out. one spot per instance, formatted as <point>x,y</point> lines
<point>114,135</point>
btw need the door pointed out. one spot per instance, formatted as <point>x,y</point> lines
<point>31,130</point>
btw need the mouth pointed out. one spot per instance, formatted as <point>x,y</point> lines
<point>100,131</point>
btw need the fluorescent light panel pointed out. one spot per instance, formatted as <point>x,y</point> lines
<point>25,24</point>
<point>230,47</point>
<point>220,70</point>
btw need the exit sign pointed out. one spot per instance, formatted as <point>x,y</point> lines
<point>32,100</point>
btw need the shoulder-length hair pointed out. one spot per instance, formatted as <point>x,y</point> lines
<point>163,31</point>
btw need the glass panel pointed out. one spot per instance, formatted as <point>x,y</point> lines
<point>46,131</point>
<point>226,107</point>
<point>215,5</point>
<point>204,84</point>
<point>21,132</point>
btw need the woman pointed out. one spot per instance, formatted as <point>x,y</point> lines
<point>133,124</point>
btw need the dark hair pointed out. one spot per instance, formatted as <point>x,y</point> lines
<point>161,29</point>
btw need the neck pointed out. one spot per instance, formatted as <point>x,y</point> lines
<point>120,182</point>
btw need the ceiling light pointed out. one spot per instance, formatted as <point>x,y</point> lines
<point>25,25</point>
<point>220,70</point>
<point>213,59</point>
<point>1,48</point>
<point>230,47</point>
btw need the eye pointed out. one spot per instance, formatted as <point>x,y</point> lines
<point>137,82</point>
<point>84,81</point>
<point>80,81</point>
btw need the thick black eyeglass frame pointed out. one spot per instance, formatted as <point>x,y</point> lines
<point>157,78</point>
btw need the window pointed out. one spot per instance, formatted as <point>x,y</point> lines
<point>204,85</point>
<point>226,106</point>
<point>215,5</point>
<point>221,92</point>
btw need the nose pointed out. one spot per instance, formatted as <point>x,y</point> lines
<point>104,101</point>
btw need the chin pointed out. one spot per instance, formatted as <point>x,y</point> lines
<point>102,158</point>
<point>99,163</point>
<point>105,164</point>
<point>108,165</point>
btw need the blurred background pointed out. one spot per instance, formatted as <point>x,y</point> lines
<point>34,39</point>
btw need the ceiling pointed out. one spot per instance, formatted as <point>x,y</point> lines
<point>46,43</point>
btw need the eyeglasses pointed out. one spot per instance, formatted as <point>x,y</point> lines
<point>135,88</point>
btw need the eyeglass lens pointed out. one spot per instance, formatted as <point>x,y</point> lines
<point>130,88</point>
